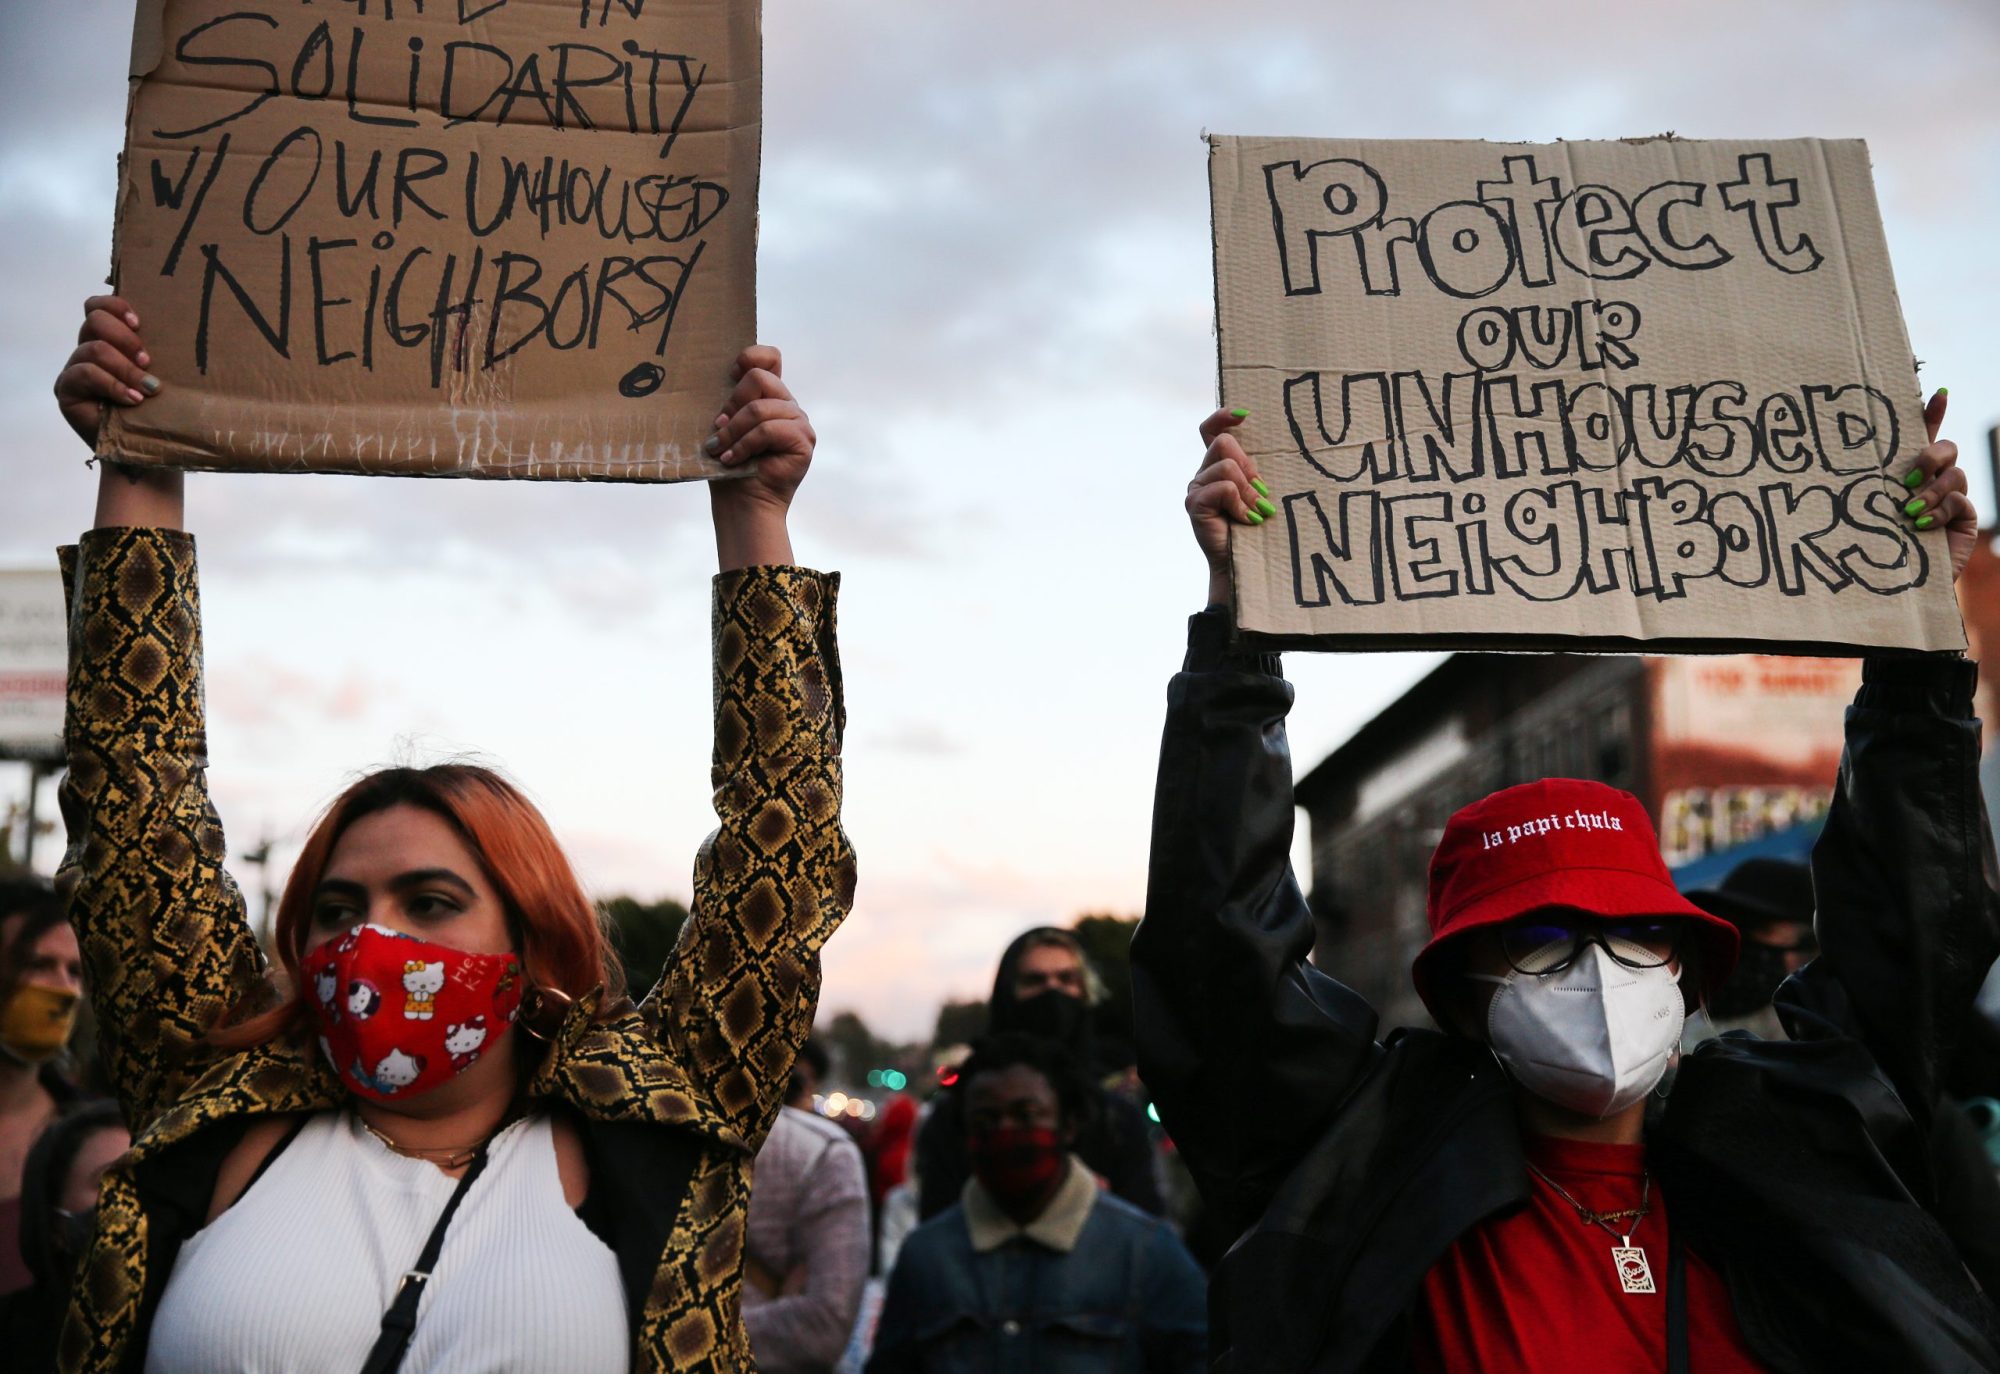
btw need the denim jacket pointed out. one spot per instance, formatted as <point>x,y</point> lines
<point>1093,1286</point>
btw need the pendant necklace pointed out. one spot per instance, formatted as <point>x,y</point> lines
<point>445,1157</point>
<point>1635,1275</point>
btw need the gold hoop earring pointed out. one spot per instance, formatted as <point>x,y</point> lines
<point>535,1004</point>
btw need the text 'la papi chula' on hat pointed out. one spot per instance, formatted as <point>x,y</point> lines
<point>1582,848</point>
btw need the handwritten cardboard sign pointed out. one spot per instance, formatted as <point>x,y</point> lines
<point>491,238</point>
<point>1651,394</point>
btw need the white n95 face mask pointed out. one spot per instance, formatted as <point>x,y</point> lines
<point>1594,1038</point>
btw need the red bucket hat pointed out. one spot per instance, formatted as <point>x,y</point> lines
<point>1583,847</point>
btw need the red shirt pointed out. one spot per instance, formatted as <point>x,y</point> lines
<point>1537,1292</point>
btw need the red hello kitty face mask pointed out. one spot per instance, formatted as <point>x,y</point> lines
<point>398,1016</point>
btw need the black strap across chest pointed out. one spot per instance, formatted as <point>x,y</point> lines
<point>291,1134</point>
<point>1677,1305</point>
<point>399,1323</point>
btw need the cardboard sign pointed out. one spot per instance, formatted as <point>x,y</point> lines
<point>488,238</point>
<point>1651,394</point>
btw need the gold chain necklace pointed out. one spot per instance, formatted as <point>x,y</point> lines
<point>1635,1275</point>
<point>445,1157</point>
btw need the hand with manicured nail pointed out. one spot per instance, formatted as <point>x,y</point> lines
<point>107,368</point>
<point>1226,490</point>
<point>1937,491</point>
<point>760,421</point>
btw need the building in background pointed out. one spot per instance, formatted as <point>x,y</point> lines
<point>1730,753</point>
<point>1979,599</point>
<point>1732,756</point>
<point>34,658</point>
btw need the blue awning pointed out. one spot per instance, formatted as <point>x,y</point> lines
<point>1794,842</point>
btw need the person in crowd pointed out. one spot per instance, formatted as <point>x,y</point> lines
<point>1045,986</point>
<point>809,1074</point>
<point>1036,1267</point>
<point>59,1196</point>
<point>806,1257</point>
<point>1770,902</point>
<point>1489,1197</point>
<point>888,1152</point>
<point>892,1176</point>
<point>889,1147</point>
<point>1974,1081</point>
<point>445,1132</point>
<point>41,981</point>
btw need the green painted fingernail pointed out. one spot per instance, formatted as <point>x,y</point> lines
<point>1944,391</point>
<point>1265,507</point>
<point>149,384</point>
<point>1253,517</point>
<point>1257,485</point>
<point>1926,521</point>
<point>1913,506</point>
<point>1914,477</point>
<point>1239,414</point>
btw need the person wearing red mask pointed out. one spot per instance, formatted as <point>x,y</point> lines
<point>1045,986</point>
<point>444,1138</point>
<point>1036,1268</point>
<point>1491,1197</point>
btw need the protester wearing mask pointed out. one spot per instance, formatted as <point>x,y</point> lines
<point>1770,902</point>
<point>41,980</point>
<point>445,1138</point>
<point>1046,987</point>
<point>1036,1268</point>
<point>1490,1198</point>
<point>59,1211</point>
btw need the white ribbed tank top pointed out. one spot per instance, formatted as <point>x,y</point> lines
<point>296,1275</point>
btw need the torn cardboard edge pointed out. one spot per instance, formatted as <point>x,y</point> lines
<point>149,38</point>
<point>1258,641</point>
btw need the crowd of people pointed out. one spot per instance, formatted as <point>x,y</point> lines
<point>431,1130</point>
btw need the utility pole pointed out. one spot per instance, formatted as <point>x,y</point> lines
<point>1993,471</point>
<point>37,770</point>
<point>260,859</point>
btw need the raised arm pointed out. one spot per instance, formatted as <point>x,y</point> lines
<point>1908,920</point>
<point>777,874</point>
<point>1904,874</point>
<point>1244,1045</point>
<point>159,921</point>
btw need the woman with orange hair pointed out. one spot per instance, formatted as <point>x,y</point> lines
<point>444,1138</point>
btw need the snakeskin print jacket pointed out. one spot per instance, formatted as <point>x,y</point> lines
<point>672,1096</point>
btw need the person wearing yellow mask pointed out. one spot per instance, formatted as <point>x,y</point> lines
<point>41,981</point>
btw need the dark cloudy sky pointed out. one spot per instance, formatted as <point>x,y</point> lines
<point>985,252</point>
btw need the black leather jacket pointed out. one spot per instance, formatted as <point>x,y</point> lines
<point>1351,1163</point>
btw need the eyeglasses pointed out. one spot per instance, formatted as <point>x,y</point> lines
<point>1543,946</point>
